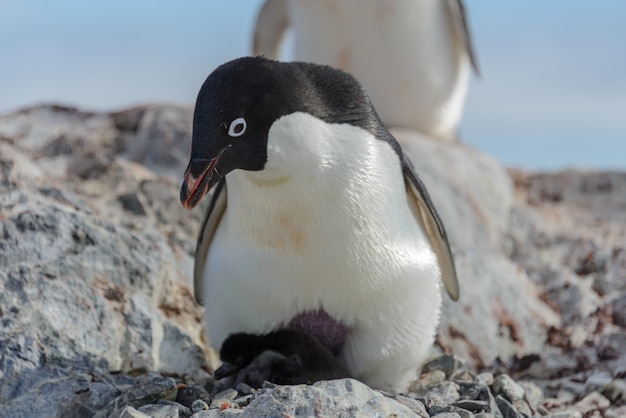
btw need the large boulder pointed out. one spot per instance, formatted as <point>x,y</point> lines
<point>499,313</point>
<point>95,255</point>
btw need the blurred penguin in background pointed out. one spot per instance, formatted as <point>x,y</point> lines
<point>412,56</point>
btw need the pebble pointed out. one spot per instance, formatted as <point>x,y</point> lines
<point>473,390</point>
<point>432,378</point>
<point>223,397</point>
<point>565,414</point>
<point>446,363</point>
<point>448,415</point>
<point>485,378</point>
<point>472,405</point>
<point>479,396</point>
<point>506,408</point>
<point>532,393</point>
<point>619,311</point>
<point>243,401</point>
<point>505,386</point>
<point>437,410</point>
<point>199,405</point>
<point>150,390</point>
<point>189,394</point>
<point>597,381</point>
<point>413,404</point>
<point>616,390</point>
<point>162,411</point>
<point>130,412</point>
<point>443,393</point>
<point>463,376</point>
<point>244,389</point>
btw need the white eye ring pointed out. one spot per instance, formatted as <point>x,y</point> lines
<point>237,127</point>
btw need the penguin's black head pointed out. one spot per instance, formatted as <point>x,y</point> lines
<point>235,109</point>
<point>239,102</point>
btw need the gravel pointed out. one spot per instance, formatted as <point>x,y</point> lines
<point>464,395</point>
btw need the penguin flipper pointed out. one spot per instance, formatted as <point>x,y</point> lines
<point>207,231</point>
<point>428,217</point>
<point>462,31</point>
<point>271,24</point>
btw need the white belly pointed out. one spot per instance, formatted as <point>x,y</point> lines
<point>383,286</point>
<point>402,51</point>
<point>314,231</point>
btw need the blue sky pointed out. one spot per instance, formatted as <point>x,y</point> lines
<point>552,95</point>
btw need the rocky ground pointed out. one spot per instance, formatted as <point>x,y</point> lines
<point>98,316</point>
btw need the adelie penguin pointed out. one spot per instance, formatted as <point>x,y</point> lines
<point>317,217</point>
<point>414,57</point>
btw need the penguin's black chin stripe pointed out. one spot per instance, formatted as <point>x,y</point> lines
<point>324,328</point>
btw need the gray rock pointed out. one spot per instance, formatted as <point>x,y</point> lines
<point>129,412</point>
<point>244,389</point>
<point>505,386</point>
<point>443,393</point>
<point>243,401</point>
<point>472,405</point>
<point>224,397</point>
<point>215,413</point>
<point>618,306</point>
<point>161,411</point>
<point>80,282</point>
<point>345,397</point>
<point>463,376</point>
<point>413,404</point>
<point>183,411</point>
<point>53,390</point>
<point>507,409</point>
<point>597,381</point>
<point>565,414</point>
<point>449,410</point>
<point>54,131</point>
<point>485,378</point>
<point>447,364</point>
<point>568,235</point>
<point>94,289</point>
<point>144,390</point>
<point>479,392</point>
<point>189,394</point>
<point>431,378</point>
<point>615,391</point>
<point>161,140</point>
<point>613,345</point>
<point>532,393</point>
<point>150,390</point>
<point>474,390</point>
<point>199,405</point>
<point>499,315</point>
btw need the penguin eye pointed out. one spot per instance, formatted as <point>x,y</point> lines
<point>237,127</point>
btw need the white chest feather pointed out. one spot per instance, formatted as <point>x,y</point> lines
<point>326,226</point>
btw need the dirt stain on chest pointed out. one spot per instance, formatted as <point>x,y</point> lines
<point>288,232</point>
